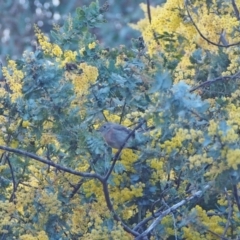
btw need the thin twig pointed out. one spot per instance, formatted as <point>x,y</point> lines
<point>13,196</point>
<point>216,235</point>
<point>229,213</point>
<point>122,113</point>
<point>235,194</point>
<point>143,222</point>
<point>76,188</point>
<point>235,8</point>
<point>149,12</point>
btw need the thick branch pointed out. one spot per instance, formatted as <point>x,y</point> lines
<point>198,194</point>
<point>53,164</point>
<point>110,207</point>
<point>218,79</point>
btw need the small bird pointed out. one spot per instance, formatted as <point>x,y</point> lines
<point>115,135</point>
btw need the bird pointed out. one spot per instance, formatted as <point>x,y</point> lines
<point>115,135</point>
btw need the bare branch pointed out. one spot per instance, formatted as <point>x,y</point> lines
<point>13,196</point>
<point>144,221</point>
<point>149,12</point>
<point>223,39</point>
<point>123,111</point>
<point>53,164</point>
<point>208,82</point>
<point>229,214</point>
<point>198,194</point>
<point>76,188</point>
<point>205,38</point>
<point>216,235</point>
<point>235,8</point>
<point>235,194</point>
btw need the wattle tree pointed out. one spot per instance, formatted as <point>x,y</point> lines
<point>177,91</point>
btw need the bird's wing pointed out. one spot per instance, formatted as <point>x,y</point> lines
<point>121,128</point>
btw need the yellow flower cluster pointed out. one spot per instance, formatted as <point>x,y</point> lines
<point>230,136</point>
<point>37,236</point>
<point>171,18</point>
<point>13,78</point>
<point>25,198</point>
<point>210,24</point>
<point>126,122</point>
<point>135,116</point>
<point>222,201</point>
<point>183,141</point>
<point>168,223</point>
<point>189,234</point>
<point>50,201</point>
<point>184,71</point>
<point>233,56</point>
<point>197,160</point>
<point>234,112</point>
<point>157,165</point>
<point>112,117</point>
<point>233,123</point>
<point>92,186</point>
<point>6,211</point>
<point>68,57</point>
<point>126,194</point>
<point>163,20</point>
<point>48,138</point>
<point>54,50</point>
<point>3,92</point>
<point>47,47</point>
<point>176,142</point>
<point>81,51</point>
<point>218,166</point>
<point>25,124</point>
<point>88,220</point>
<point>82,82</point>
<point>128,157</point>
<point>213,128</point>
<point>83,165</point>
<point>92,45</point>
<point>128,212</point>
<point>79,219</point>
<point>233,158</point>
<point>100,232</point>
<point>214,223</point>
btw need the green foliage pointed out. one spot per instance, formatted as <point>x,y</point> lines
<point>188,144</point>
